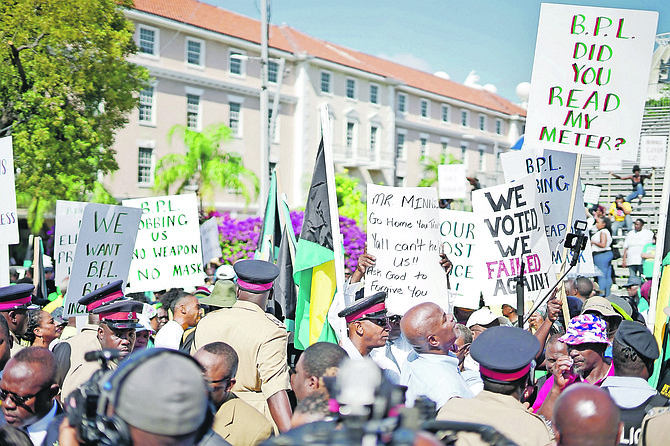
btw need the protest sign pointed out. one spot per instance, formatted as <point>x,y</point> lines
<point>209,237</point>
<point>9,222</point>
<point>68,221</point>
<point>589,82</point>
<point>514,230</point>
<point>103,251</point>
<point>592,194</point>
<point>608,164</point>
<point>652,151</point>
<point>167,251</point>
<point>404,236</point>
<point>553,173</point>
<point>451,181</point>
<point>457,231</point>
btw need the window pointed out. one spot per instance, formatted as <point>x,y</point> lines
<point>424,148</point>
<point>400,147</point>
<point>445,149</point>
<point>373,138</point>
<point>374,94</point>
<point>425,107</point>
<point>464,155</point>
<point>351,88</point>
<point>399,182</point>
<point>147,106</point>
<point>234,120</point>
<point>236,65</point>
<point>445,113</point>
<point>148,40</point>
<point>482,122</point>
<point>498,127</point>
<point>274,136</point>
<point>326,82</point>
<point>193,111</point>
<point>350,134</point>
<point>144,165</point>
<point>464,118</point>
<point>194,52</point>
<point>402,103</point>
<point>482,158</point>
<point>273,72</point>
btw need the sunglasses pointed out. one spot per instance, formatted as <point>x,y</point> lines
<point>18,399</point>
<point>381,321</point>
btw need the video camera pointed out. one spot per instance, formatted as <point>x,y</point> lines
<point>576,241</point>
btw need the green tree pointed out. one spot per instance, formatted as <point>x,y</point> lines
<point>430,168</point>
<point>349,198</point>
<point>205,164</point>
<point>66,86</point>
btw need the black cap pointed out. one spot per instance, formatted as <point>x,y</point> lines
<point>106,294</point>
<point>632,281</point>
<point>120,314</point>
<point>504,353</point>
<point>639,338</point>
<point>16,296</point>
<point>370,306</point>
<point>255,276</point>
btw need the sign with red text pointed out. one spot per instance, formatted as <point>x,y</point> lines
<point>103,251</point>
<point>458,231</point>
<point>167,252</point>
<point>404,236</point>
<point>9,222</point>
<point>68,221</point>
<point>652,151</point>
<point>590,77</point>
<point>513,231</point>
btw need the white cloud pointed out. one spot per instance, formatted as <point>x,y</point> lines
<point>408,60</point>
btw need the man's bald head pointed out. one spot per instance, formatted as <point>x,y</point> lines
<point>428,328</point>
<point>586,415</point>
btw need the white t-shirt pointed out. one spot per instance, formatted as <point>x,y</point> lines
<point>634,244</point>
<point>169,336</point>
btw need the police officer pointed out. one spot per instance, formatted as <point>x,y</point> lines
<point>14,302</point>
<point>367,325</point>
<point>259,339</point>
<point>504,355</point>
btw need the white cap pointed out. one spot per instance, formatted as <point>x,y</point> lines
<point>483,316</point>
<point>225,272</point>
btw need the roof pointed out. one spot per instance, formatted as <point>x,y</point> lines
<point>285,38</point>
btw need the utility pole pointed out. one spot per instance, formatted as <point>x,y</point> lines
<point>264,103</point>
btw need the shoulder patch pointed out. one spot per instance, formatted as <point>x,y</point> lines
<point>275,320</point>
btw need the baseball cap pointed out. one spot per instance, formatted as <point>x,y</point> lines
<point>601,306</point>
<point>483,316</point>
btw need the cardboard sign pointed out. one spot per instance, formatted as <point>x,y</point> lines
<point>458,231</point>
<point>553,173</point>
<point>9,222</point>
<point>514,230</point>
<point>167,251</point>
<point>68,221</point>
<point>404,236</point>
<point>592,194</point>
<point>608,164</point>
<point>451,180</point>
<point>209,237</point>
<point>590,77</point>
<point>103,253</point>
<point>652,151</point>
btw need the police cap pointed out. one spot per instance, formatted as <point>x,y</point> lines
<point>17,296</point>
<point>370,306</point>
<point>120,314</point>
<point>255,276</point>
<point>504,353</point>
<point>106,294</point>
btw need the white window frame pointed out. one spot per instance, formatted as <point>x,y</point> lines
<point>423,147</point>
<point>346,89</point>
<point>499,127</point>
<point>156,46</point>
<point>328,92</point>
<point>190,91</point>
<point>239,132</point>
<point>151,122</point>
<point>403,155</point>
<point>373,143</point>
<point>405,102</point>
<point>372,85</point>
<point>243,63</point>
<point>464,155</point>
<point>275,64</point>
<point>442,109</point>
<point>465,116</point>
<point>481,122</point>
<point>421,108</point>
<point>150,145</point>
<point>202,52</point>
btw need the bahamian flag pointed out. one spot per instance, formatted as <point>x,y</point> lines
<point>314,268</point>
<point>270,237</point>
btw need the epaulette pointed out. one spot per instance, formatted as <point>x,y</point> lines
<point>272,317</point>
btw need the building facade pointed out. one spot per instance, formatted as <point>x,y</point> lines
<point>386,118</point>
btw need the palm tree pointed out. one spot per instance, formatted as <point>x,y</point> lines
<point>204,165</point>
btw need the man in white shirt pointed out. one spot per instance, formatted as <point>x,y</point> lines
<point>633,246</point>
<point>186,311</point>
<point>28,392</point>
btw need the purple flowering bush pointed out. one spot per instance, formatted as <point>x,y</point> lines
<point>239,238</point>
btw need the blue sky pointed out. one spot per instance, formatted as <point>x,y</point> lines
<point>496,38</point>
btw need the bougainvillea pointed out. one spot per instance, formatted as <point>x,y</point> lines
<point>240,237</point>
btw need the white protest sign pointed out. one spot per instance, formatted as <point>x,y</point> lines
<point>209,237</point>
<point>451,181</point>
<point>609,164</point>
<point>514,230</point>
<point>652,151</point>
<point>9,222</point>
<point>404,236</point>
<point>590,77</point>
<point>592,193</point>
<point>68,221</point>
<point>167,251</point>
<point>457,231</point>
<point>104,249</point>
<point>553,172</point>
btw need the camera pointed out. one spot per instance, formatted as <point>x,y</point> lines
<point>576,241</point>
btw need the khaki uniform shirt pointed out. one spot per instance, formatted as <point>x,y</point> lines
<point>656,427</point>
<point>16,345</point>
<point>260,341</point>
<point>502,412</point>
<point>240,424</point>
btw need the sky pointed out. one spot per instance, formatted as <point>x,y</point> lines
<point>495,38</point>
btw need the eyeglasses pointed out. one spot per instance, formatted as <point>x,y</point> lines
<point>395,318</point>
<point>381,321</point>
<point>217,383</point>
<point>18,399</point>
